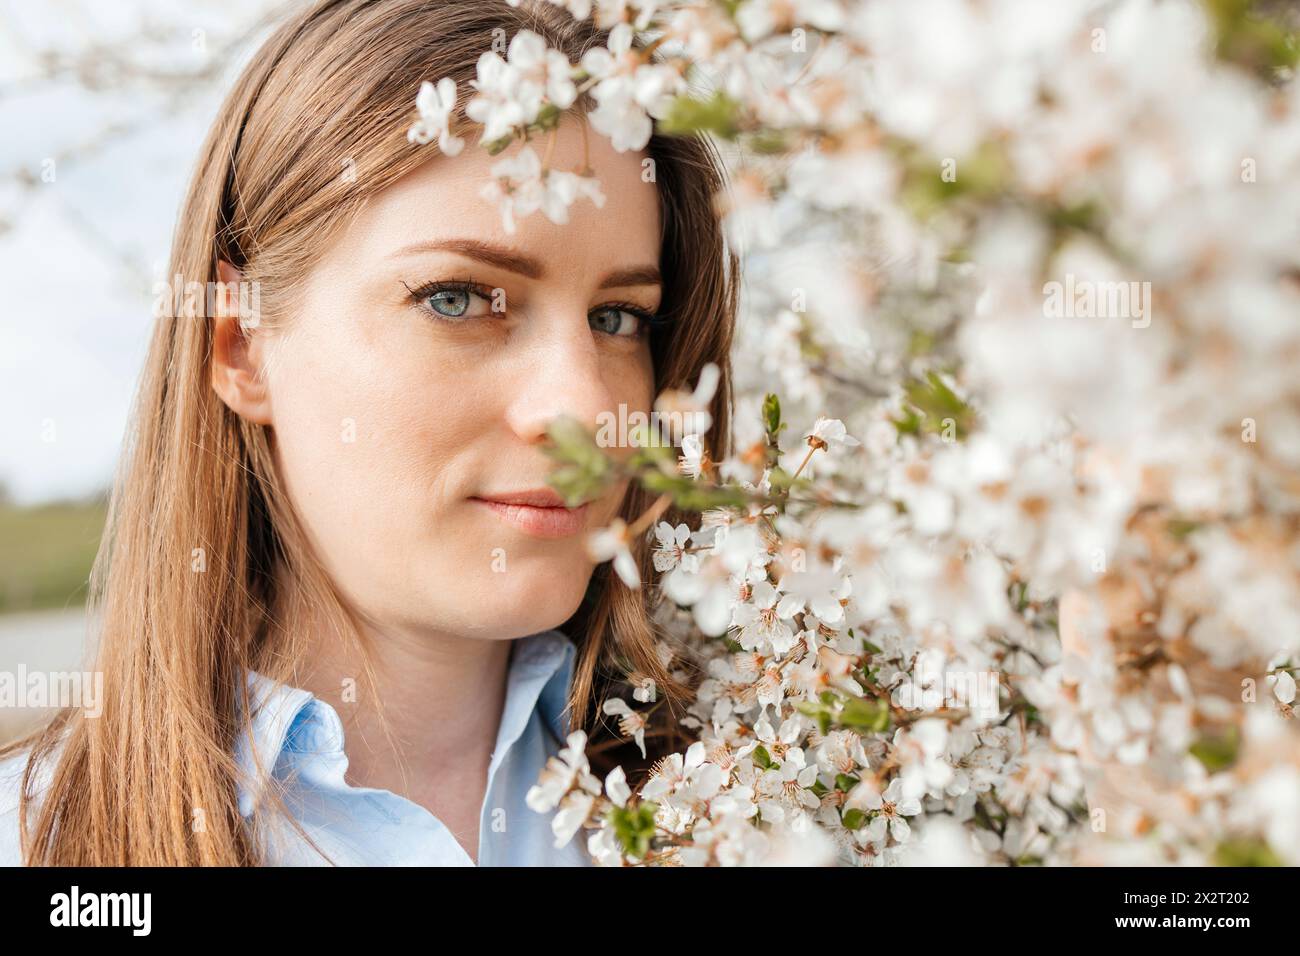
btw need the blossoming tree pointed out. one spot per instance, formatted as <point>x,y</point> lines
<point>1007,569</point>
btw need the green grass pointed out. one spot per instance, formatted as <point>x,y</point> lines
<point>46,553</point>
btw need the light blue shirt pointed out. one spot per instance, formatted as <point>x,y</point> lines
<point>300,737</point>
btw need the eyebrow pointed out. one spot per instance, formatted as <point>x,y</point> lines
<point>524,265</point>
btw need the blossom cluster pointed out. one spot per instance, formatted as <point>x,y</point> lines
<point>1032,595</point>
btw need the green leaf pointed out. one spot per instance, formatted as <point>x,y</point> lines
<point>1245,852</point>
<point>647,439</point>
<point>548,116</point>
<point>1251,40</point>
<point>583,471</point>
<point>1182,527</point>
<point>909,423</point>
<point>719,114</point>
<point>870,714</point>
<point>821,711</point>
<point>769,142</point>
<point>501,142</point>
<point>921,342</point>
<point>762,758</point>
<point>779,479</point>
<point>853,819</point>
<point>981,175</point>
<point>690,494</point>
<point>772,413</point>
<point>1217,751</point>
<point>634,827</point>
<point>809,708</point>
<point>938,405</point>
<point>1080,217</point>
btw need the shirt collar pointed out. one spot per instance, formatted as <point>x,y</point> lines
<point>286,718</point>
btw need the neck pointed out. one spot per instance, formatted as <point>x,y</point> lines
<point>441,696</point>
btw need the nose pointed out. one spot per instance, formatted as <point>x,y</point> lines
<point>559,372</point>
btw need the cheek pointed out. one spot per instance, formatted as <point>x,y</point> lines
<point>633,382</point>
<point>365,431</point>
<point>633,389</point>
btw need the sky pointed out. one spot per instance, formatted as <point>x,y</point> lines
<point>103,108</point>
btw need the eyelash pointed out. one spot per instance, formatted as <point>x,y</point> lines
<point>649,321</point>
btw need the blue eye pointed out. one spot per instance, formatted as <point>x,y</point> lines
<point>449,302</point>
<point>452,300</point>
<point>623,321</point>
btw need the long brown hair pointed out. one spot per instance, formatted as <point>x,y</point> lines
<point>335,83</point>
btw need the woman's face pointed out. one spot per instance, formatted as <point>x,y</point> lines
<point>397,404</point>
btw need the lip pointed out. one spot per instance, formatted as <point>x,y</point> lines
<point>539,512</point>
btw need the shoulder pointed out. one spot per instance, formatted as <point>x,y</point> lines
<point>13,768</point>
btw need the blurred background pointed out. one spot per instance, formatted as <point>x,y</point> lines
<point>103,108</point>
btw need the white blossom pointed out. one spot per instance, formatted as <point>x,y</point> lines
<point>1029,271</point>
<point>630,92</point>
<point>435,105</point>
<point>614,543</point>
<point>631,723</point>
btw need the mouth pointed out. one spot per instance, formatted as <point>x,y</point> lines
<point>539,512</point>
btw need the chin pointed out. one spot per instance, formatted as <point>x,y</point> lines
<point>530,596</point>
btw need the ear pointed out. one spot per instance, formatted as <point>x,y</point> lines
<point>237,354</point>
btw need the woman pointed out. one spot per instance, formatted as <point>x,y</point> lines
<point>340,621</point>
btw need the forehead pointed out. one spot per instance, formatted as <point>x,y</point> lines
<point>442,199</point>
